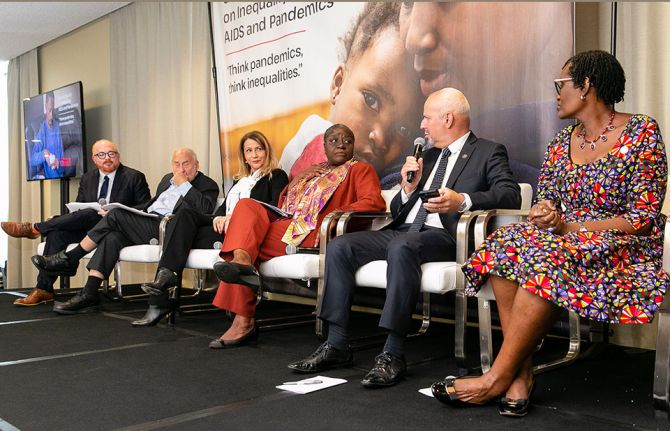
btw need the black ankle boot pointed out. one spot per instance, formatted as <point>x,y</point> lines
<point>153,315</point>
<point>163,281</point>
<point>161,305</point>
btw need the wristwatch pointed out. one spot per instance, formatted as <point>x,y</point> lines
<point>582,228</point>
<point>463,206</point>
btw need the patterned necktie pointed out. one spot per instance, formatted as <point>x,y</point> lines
<point>420,218</point>
<point>103,189</point>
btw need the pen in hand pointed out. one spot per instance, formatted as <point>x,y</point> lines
<point>306,382</point>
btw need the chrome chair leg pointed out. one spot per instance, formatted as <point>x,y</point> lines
<point>485,333</point>
<point>661,391</point>
<point>461,320</point>
<point>573,347</point>
<point>117,280</point>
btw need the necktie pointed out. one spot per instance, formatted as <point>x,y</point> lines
<point>103,189</point>
<point>420,218</point>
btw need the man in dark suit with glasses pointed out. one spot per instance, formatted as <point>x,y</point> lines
<point>111,182</point>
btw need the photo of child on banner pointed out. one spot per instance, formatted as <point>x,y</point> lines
<point>374,91</point>
<point>502,56</point>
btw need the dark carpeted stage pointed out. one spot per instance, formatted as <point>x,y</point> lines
<point>96,372</point>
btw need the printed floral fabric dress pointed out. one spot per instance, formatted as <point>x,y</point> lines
<point>602,275</point>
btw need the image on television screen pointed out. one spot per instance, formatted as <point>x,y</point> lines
<point>54,135</point>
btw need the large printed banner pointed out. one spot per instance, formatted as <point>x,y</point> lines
<point>291,70</point>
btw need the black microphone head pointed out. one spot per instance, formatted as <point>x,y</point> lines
<point>102,202</point>
<point>418,147</point>
<point>418,151</point>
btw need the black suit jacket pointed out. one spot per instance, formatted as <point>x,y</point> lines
<point>266,190</point>
<point>129,187</point>
<point>201,197</point>
<point>482,171</point>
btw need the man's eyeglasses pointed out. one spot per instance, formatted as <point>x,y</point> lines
<point>102,155</point>
<point>559,83</point>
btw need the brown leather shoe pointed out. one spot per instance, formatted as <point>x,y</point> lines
<point>36,297</point>
<point>19,230</point>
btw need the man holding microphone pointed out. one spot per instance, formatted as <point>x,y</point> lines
<point>460,172</point>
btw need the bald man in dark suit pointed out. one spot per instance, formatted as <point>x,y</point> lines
<point>465,173</point>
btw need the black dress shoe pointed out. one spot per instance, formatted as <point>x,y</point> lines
<point>248,338</point>
<point>153,315</point>
<point>236,273</point>
<point>516,408</point>
<point>387,371</point>
<point>324,358</point>
<point>163,281</point>
<point>79,304</point>
<point>55,264</point>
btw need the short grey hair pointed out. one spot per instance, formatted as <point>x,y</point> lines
<point>189,151</point>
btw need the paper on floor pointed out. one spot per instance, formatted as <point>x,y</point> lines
<point>427,392</point>
<point>311,384</point>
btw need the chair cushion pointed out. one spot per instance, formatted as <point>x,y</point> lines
<point>300,266</point>
<point>140,253</point>
<point>202,258</point>
<point>40,249</point>
<point>438,277</point>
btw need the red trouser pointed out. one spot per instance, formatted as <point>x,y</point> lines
<point>258,231</point>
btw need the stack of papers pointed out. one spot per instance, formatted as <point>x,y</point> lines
<point>76,206</point>
<point>312,384</point>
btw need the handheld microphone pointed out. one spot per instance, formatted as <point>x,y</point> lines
<point>102,202</point>
<point>418,150</point>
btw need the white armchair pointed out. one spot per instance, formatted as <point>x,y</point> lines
<point>437,277</point>
<point>485,224</point>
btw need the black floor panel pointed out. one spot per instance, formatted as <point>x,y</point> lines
<point>97,372</point>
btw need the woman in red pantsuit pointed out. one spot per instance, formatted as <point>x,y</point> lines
<point>257,233</point>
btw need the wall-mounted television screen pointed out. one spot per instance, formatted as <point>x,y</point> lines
<point>54,123</point>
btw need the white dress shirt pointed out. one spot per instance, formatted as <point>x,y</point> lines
<point>241,190</point>
<point>433,219</point>
<point>109,188</point>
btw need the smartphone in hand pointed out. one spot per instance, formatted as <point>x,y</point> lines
<point>424,195</point>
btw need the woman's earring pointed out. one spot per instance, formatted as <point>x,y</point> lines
<point>583,97</point>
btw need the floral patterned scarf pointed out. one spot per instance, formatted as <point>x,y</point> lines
<point>307,198</point>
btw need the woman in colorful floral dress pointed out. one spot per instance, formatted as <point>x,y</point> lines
<point>593,240</point>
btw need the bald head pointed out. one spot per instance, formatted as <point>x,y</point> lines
<point>446,116</point>
<point>103,143</point>
<point>105,156</point>
<point>450,100</point>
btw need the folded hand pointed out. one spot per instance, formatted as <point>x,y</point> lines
<point>545,215</point>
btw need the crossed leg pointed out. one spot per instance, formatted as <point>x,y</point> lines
<point>525,319</point>
<point>241,324</point>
